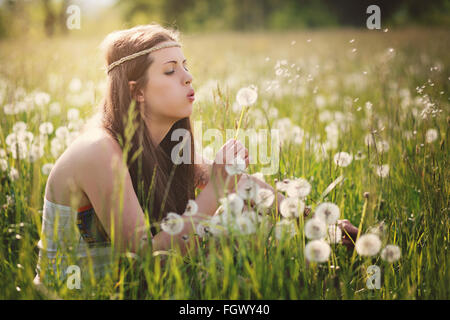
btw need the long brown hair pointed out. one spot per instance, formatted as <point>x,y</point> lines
<point>160,186</point>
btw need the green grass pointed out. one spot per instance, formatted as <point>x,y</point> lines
<point>413,201</point>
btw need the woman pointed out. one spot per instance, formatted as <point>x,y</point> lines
<point>147,70</point>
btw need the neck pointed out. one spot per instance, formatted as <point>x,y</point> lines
<point>158,128</point>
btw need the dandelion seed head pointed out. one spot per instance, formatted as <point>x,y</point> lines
<point>328,212</point>
<point>342,159</point>
<point>298,188</point>
<point>291,207</point>
<point>334,234</point>
<point>191,208</point>
<point>246,96</point>
<point>283,228</point>
<point>315,229</point>
<point>317,251</point>
<point>391,253</point>
<point>264,198</point>
<point>431,135</point>
<point>173,223</point>
<point>368,245</point>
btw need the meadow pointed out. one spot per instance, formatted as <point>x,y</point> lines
<point>379,96</point>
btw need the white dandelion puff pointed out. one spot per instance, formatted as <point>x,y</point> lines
<point>246,96</point>
<point>368,245</point>
<point>283,185</point>
<point>3,165</point>
<point>248,190</point>
<point>264,198</point>
<point>382,171</point>
<point>328,212</point>
<point>73,114</point>
<point>245,225</point>
<point>334,234</point>
<point>391,253</point>
<point>283,228</point>
<point>19,126</point>
<point>233,203</point>
<point>431,135</point>
<point>46,128</point>
<point>191,208</point>
<point>369,140</point>
<point>13,174</point>
<point>317,251</point>
<point>343,159</point>
<point>298,188</point>
<point>46,168</point>
<point>382,146</point>
<point>315,229</point>
<point>291,207</point>
<point>238,167</point>
<point>173,223</point>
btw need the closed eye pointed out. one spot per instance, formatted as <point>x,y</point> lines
<point>170,72</point>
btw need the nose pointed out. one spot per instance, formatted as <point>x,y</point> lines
<point>189,78</point>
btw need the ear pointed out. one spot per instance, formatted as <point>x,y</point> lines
<point>138,95</point>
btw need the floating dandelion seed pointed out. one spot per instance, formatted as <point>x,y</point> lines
<point>264,198</point>
<point>173,223</point>
<point>191,208</point>
<point>342,159</point>
<point>328,212</point>
<point>291,207</point>
<point>317,251</point>
<point>431,135</point>
<point>298,188</point>
<point>315,229</point>
<point>391,253</point>
<point>334,234</point>
<point>284,227</point>
<point>368,245</point>
<point>382,171</point>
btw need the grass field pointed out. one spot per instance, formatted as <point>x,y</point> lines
<point>381,96</point>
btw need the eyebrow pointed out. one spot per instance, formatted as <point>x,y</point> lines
<point>173,61</point>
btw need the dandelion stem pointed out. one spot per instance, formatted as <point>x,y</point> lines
<point>239,123</point>
<point>360,226</point>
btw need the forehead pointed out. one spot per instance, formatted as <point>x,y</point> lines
<point>161,56</point>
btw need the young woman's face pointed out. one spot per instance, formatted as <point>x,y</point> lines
<point>168,86</point>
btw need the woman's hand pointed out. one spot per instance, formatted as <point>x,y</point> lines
<point>351,230</point>
<point>228,154</point>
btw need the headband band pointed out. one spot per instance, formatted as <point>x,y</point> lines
<point>141,53</point>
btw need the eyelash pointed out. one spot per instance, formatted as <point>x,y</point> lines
<point>169,73</point>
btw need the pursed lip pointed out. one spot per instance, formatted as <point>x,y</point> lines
<point>191,93</point>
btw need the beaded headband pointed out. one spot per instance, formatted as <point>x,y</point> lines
<point>141,53</point>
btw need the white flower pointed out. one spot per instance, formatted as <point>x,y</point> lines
<point>391,253</point>
<point>36,152</point>
<point>46,128</point>
<point>245,225</point>
<point>291,207</point>
<point>56,147</point>
<point>238,167</point>
<point>232,203</point>
<point>431,135</point>
<point>191,208</point>
<point>248,190</point>
<point>382,171</point>
<point>19,150</point>
<point>2,153</point>
<point>55,108</point>
<point>172,224</point>
<point>46,168</point>
<point>284,227</point>
<point>368,245</point>
<point>334,234</point>
<point>298,188</point>
<point>328,212</point>
<point>315,229</point>
<point>202,229</point>
<point>246,96</point>
<point>216,225</point>
<point>342,159</point>
<point>73,114</point>
<point>359,155</point>
<point>13,174</point>
<point>264,198</point>
<point>317,251</point>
